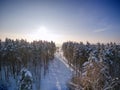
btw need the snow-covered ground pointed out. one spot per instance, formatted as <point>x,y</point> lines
<point>58,76</point>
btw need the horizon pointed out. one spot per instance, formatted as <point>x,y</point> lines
<point>60,21</point>
<point>60,44</point>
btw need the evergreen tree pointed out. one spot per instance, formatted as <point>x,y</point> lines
<point>25,81</point>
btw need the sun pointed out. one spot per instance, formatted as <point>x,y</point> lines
<point>43,33</point>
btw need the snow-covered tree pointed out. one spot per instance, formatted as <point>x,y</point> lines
<point>95,74</point>
<point>26,80</point>
<point>99,65</point>
<point>16,54</point>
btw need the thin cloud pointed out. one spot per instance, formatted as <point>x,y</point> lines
<point>100,30</point>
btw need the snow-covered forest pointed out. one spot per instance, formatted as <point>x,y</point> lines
<point>96,66</point>
<point>22,62</point>
<point>40,65</point>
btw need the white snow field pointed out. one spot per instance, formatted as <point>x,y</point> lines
<point>57,77</point>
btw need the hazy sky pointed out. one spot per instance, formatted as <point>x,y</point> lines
<point>61,20</point>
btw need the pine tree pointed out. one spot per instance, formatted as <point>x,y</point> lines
<point>25,81</point>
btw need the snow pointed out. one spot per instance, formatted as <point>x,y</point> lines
<point>85,63</point>
<point>13,85</point>
<point>58,85</point>
<point>28,74</point>
<point>3,86</point>
<point>58,76</point>
<point>84,73</point>
<point>60,56</point>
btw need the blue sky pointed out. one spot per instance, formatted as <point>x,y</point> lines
<point>61,20</point>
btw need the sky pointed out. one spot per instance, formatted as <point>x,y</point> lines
<point>61,20</point>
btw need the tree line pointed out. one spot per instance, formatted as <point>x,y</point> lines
<point>18,54</point>
<point>96,66</point>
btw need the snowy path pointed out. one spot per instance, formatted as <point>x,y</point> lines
<point>57,77</point>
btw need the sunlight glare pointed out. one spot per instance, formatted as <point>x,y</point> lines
<point>43,33</point>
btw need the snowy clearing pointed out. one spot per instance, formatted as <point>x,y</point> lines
<point>58,76</point>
